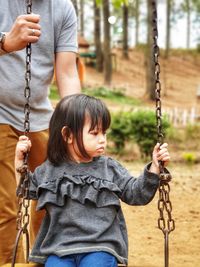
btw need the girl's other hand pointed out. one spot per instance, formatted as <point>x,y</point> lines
<point>160,153</point>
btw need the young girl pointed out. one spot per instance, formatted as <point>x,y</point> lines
<point>81,189</point>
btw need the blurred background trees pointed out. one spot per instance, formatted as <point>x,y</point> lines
<point>107,24</point>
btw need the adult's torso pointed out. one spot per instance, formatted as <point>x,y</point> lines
<point>12,66</point>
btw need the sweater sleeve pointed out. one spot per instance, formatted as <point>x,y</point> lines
<point>135,191</point>
<point>32,187</point>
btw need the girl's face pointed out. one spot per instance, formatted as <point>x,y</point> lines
<point>94,141</point>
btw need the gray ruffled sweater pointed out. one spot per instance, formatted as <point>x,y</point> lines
<point>82,203</point>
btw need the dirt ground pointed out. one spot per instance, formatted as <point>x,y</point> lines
<point>180,79</point>
<point>146,241</point>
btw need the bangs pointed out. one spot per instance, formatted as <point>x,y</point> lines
<point>99,116</point>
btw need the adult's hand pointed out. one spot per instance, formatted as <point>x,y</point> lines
<point>26,29</point>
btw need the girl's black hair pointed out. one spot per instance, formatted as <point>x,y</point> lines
<point>71,112</point>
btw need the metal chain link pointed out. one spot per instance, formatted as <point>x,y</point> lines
<point>165,222</point>
<point>23,216</point>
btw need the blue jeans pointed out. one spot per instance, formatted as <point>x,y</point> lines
<point>92,259</point>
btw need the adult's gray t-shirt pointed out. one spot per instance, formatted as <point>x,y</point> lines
<point>59,33</point>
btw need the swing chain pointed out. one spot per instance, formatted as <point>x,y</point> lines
<point>164,203</point>
<point>27,90</point>
<point>23,216</point>
<point>28,6</point>
<point>165,178</point>
<point>165,222</point>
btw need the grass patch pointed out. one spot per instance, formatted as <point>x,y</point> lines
<point>115,95</point>
<point>185,52</point>
<point>54,95</point>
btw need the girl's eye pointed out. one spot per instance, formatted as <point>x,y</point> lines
<point>94,132</point>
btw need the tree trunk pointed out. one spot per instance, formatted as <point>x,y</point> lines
<point>137,15</point>
<point>150,67</point>
<point>168,28</point>
<point>125,31</point>
<point>97,37</point>
<point>106,46</point>
<point>188,22</point>
<point>82,17</point>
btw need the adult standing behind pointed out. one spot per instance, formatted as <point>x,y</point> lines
<point>53,29</point>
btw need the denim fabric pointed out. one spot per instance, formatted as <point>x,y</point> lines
<point>94,259</point>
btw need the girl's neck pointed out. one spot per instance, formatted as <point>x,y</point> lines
<point>79,161</point>
<point>76,156</point>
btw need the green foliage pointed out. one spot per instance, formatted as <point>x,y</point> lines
<point>189,157</point>
<point>54,95</point>
<point>121,130</point>
<point>118,3</point>
<point>105,92</point>
<point>183,52</point>
<point>175,135</point>
<point>192,132</point>
<point>99,2</point>
<point>139,126</point>
<point>116,95</point>
<point>145,130</point>
<point>198,48</point>
<point>141,47</point>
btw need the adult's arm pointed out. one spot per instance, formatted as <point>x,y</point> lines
<point>66,73</point>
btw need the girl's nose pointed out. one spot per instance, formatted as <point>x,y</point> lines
<point>102,138</point>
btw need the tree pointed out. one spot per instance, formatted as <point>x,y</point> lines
<point>137,16</point>
<point>188,10</point>
<point>123,5</point>
<point>106,45</point>
<point>82,28</point>
<point>125,29</point>
<point>97,37</point>
<point>168,27</point>
<point>186,6</point>
<point>150,67</point>
<point>196,5</point>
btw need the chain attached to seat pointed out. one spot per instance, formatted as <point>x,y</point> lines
<point>23,216</point>
<point>165,222</point>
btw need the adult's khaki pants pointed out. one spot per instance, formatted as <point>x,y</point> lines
<point>8,201</point>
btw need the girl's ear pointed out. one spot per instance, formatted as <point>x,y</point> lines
<point>69,139</point>
<point>66,134</point>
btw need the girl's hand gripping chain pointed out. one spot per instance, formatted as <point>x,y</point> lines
<point>23,146</point>
<point>160,153</point>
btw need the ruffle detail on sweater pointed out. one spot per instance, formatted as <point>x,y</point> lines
<point>81,188</point>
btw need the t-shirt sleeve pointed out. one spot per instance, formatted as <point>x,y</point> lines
<point>67,37</point>
<point>135,191</point>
